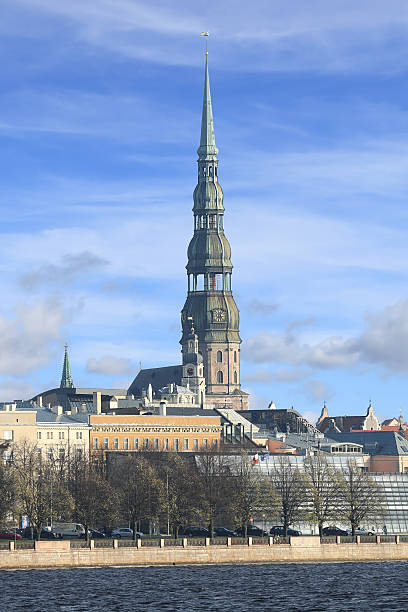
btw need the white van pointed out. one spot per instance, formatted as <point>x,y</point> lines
<point>68,530</point>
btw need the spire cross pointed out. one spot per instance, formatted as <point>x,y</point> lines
<point>206,34</point>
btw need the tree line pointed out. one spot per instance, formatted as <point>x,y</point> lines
<point>161,492</point>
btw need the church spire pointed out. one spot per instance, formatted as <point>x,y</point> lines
<point>66,378</point>
<point>207,146</point>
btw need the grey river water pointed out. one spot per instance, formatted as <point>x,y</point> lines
<point>327,587</point>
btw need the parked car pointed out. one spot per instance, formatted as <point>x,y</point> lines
<point>333,531</point>
<point>194,532</point>
<point>253,531</point>
<point>7,534</point>
<point>68,530</point>
<point>279,530</point>
<point>95,533</point>
<point>361,531</point>
<point>223,531</point>
<point>125,532</point>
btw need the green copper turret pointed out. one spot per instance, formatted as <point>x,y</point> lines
<point>66,378</point>
<point>210,302</point>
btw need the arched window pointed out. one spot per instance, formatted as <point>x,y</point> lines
<point>220,377</point>
<point>235,377</point>
<point>219,356</point>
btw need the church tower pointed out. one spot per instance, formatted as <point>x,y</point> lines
<point>210,304</point>
<point>66,378</point>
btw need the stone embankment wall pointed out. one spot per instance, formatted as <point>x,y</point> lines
<point>300,549</point>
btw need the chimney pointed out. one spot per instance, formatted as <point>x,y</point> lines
<point>97,402</point>
<point>74,409</point>
<point>40,400</point>
<point>163,408</point>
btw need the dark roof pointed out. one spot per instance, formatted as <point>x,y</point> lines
<point>157,377</point>
<point>344,423</point>
<point>375,442</point>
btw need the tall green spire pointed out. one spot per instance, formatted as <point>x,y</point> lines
<point>66,378</point>
<point>207,141</point>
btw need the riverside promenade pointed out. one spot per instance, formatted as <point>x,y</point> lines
<point>64,553</point>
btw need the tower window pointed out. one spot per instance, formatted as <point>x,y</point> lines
<point>210,171</point>
<point>211,221</point>
<point>235,377</point>
<point>199,282</point>
<point>220,377</point>
<point>235,356</point>
<point>219,357</point>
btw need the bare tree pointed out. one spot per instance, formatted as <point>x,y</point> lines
<point>252,492</point>
<point>361,498</point>
<point>290,487</point>
<point>322,489</point>
<point>181,486</point>
<point>141,490</point>
<point>95,499</point>
<point>41,491</point>
<point>7,490</point>
<point>215,486</point>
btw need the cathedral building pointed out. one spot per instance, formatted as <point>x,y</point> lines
<point>210,318</point>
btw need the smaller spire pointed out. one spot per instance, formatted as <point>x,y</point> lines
<point>66,378</point>
<point>207,141</point>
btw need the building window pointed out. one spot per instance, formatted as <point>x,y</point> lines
<point>166,444</point>
<point>195,444</point>
<point>61,454</point>
<point>185,443</point>
<point>105,443</point>
<point>126,444</point>
<point>220,377</point>
<point>38,435</point>
<point>235,356</point>
<point>95,443</point>
<point>156,443</point>
<point>176,444</point>
<point>8,435</point>
<point>39,452</point>
<point>146,443</point>
<point>61,435</point>
<point>219,356</point>
<point>115,443</point>
<point>215,443</point>
<point>50,454</point>
<point>79,435</point>
<point>50,435</point>
<point>136,443</point>
<point>78,453</point>
<point>235,377</point>
<point>205,444</point>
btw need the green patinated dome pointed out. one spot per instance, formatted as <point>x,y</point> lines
<point>208,197</point>
<point>209,249</point>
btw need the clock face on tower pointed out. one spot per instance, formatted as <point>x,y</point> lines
<point>218,315</point>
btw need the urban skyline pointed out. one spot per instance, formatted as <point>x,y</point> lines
<point>99,159</point>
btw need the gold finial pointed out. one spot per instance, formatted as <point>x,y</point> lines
<point>206,34</point>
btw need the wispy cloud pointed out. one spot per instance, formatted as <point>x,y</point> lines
<point>71,266</point>
<point>338,37</point>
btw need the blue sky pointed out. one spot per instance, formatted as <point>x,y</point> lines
<point>99,119</point>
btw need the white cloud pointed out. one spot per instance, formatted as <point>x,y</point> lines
<point>28,337</point>
<point>383,343</point>
<point>110,365</point>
